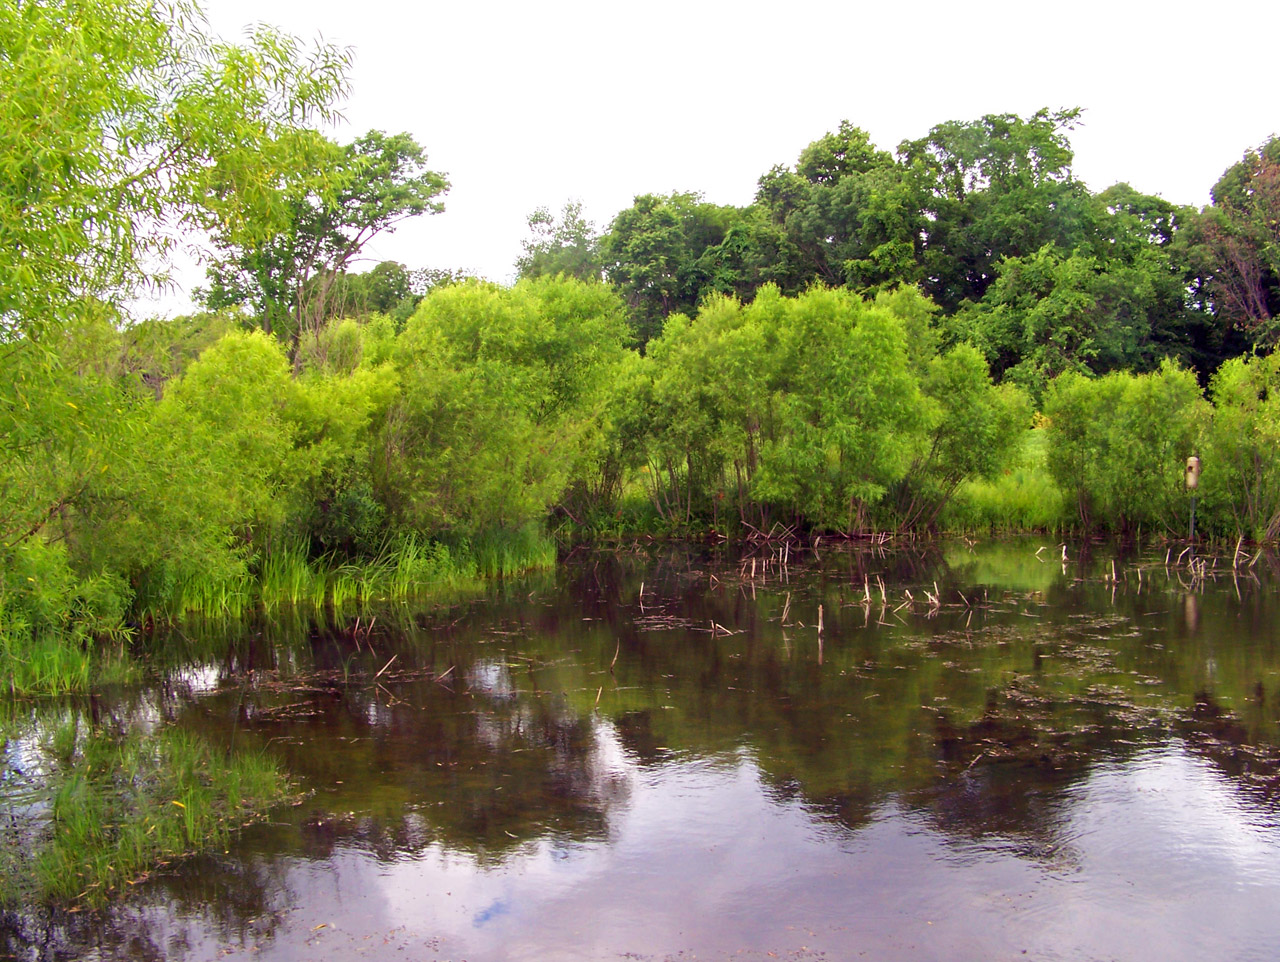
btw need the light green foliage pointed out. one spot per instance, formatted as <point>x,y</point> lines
<point>213,477</point>
<point>337,416</point>
<point>616,445</point>
<point>62,405</point>
<point>809,405</point>
<point>976,431</point>
<point>501,394</point>
<point>707,405</point>
<point>122,124</point>
<point>334,348</point>
<point>1118,445</point>
<point>1023,497</point>
<point>120,116</point>
<point>1242,460</point>
<point>229,409</point>
<point>1075,407</point>
<point>851,418</point>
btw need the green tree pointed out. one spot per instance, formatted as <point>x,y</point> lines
<point>329,209</point>
<point>1118,301</point>
<point>502,391</point>
<point>121,119</point>
<point>975,432</point>
<point>1238,246</point>
<point>707,407</point>
<point>1243,457</point>
<point>653,252</point>
<point>567,245</point>
<point>122,125</point>
<point>996,187</point>
<point>850,215</point>
<point>1117,445</point>
<point>851,416</point>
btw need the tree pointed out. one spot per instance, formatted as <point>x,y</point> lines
<point>849,214</point>
<point>122,125</point>
<point>1244,445</point>
<point>1117,444</point>
<point>1239,245</point>
<point>996,187</point>
<point>975,432</point>
<point>653,253</point>
<point>500,404</point>
<point>568,246</point>
<point>1117,301</point>
<point>332,209</point>
<point>120,122</point>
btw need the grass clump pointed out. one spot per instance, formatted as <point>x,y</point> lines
<point>60,633</point>
<point>119,806</point>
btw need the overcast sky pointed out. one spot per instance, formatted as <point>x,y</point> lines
<point>529,104</point>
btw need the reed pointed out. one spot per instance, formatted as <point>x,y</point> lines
<point>406,568</point>
<point>203,593</point>
<point>503,553</point>
<point>287,576</point>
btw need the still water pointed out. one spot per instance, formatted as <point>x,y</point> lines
<point>986,753</point>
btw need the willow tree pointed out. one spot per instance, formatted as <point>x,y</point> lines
<point>124,125</point>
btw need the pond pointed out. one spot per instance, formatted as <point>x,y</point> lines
<point>956,752</point>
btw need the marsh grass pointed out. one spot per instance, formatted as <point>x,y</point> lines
<point>203,593</point>
<point>500,554</point>
<point>48,663</point>
<point>408,568</point>
<point>119,806</point>
<point>1023,499</point>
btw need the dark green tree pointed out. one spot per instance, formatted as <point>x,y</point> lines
<point>653,253</point>
<point>1237,247</point>
<point>849,215</point>
<point>993,188</point>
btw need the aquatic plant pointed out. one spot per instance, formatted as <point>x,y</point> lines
<point>119,806</point>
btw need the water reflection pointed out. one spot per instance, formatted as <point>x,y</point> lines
<point>979,756</point>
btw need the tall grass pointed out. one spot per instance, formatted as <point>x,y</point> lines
<point>45,661</point>
<point>500,554</point>
<point>287,575</point>
<point>407,568</point>
<point>45,664</point>
<point>1023,499</point>
<point>212,594</point>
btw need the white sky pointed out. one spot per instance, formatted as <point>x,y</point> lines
<point>528,104</point>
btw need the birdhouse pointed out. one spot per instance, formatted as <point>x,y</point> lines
<point>1193,473</point>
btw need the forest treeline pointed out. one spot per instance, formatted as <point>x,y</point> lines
<point>955,335</point>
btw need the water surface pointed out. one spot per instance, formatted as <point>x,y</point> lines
<point>985,754</point>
